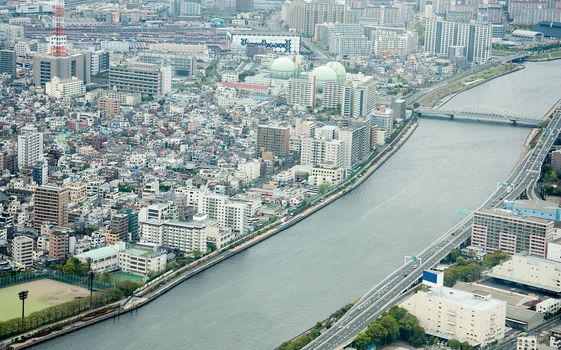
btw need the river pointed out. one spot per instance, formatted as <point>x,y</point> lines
<point>275,290</point>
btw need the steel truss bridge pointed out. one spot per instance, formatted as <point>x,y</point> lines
<point>479,113</point>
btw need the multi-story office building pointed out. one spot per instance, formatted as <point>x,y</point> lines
<point>119,226</point>
<point>531,271</point>
<point>30,147</point>
<point>145,78</point>
<point>40,173</point>
<point>180,64</point>
<point>475,39</point>
<point>303,15</point>
<point>358,96</point>
<point>490,13</point>
<point>356,144</point>
<point>159,212</point>
<point>99,61</point>
<point>494,230</point>
<point>11,32</point>
<point>302,92</point>
<point>273,139</point>
<point>58,245</point>
<point>50,206</point>
<point>133,224</point>
<point>46,67</point>
<point>109,106</point>
<point>8,63</point>
<point>22,251</point>
<point>63,88</point>
<point>326,153</point>
<point>454,314</point>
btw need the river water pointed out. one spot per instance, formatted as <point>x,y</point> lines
<point>275,290</point>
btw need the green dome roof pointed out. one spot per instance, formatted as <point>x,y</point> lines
<point>339,70</point>
<point>283,68</point>
<point>323,74</point>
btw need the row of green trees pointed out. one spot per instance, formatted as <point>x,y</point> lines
<point>469,270</point>
<point>58,312</point>
<point>314,332</point>
<point>396,324</point>
<point>458,345</point>
<point>550,174</point>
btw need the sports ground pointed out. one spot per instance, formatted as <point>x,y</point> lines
<point>42,294</point>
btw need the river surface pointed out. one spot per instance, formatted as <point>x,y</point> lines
<point>277,289</point>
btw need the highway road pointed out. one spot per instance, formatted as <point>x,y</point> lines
<point>385,294</point>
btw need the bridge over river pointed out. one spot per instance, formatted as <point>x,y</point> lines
<point>485,114</point>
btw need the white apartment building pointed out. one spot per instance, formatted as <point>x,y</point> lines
<point>190,196</point>
<point>22,251</point>
<point>158,212</point>
<point>393,41</point>
<point>332,94</point>
<point>475,39</point>
<point>302,92</point>
<point>356,144</point>
<point>328,153</point>
<point>62,88</point>
<point>384,120</point>
<point>226,213</point>
<point>185,236</point>
<point>30,147</point>
<point>531,271</point>
<point>494,230</point>
<point>249,170</point>
<point>303,15</point>
<point>327,132</point>
<point>349,45</point>
<point>358,96</point>
<point>453,314</point>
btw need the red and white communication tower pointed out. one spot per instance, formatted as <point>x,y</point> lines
<point>57,41</point>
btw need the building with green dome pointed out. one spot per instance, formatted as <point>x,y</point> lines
<point>284,68</point>
<point>339,70</point>
<point>324,74</point>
